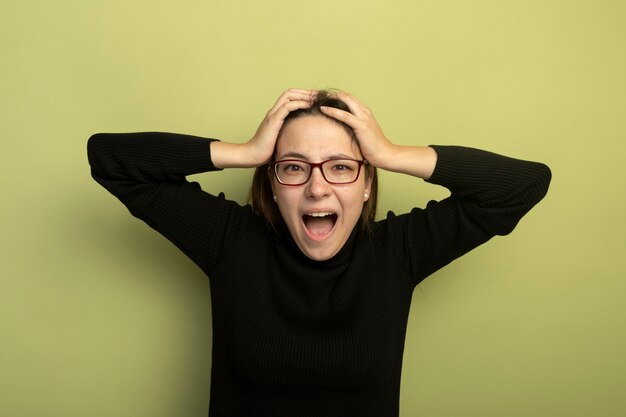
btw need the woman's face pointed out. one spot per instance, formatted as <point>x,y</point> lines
<point>320,216</point>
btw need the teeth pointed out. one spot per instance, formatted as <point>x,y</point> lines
<point>321,214</point>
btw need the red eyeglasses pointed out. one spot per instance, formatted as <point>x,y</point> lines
<point>334,171</point>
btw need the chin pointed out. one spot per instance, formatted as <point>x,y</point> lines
<point>319,251</point>
<point>320,246</point>
<point>319,255</point>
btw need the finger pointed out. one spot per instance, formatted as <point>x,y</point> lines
<point>290,106</point>
<point>356,107</point>
<point>292,95</point>
<point>347,96</point>
<point>341,115</point>
<point>302,90</point>
<point>295,92</point>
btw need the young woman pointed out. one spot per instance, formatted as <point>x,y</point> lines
<point>311,295</point>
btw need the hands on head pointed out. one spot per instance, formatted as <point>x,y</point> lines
<point>372,141</point>
<point>374,145</point>
<point>264,140</point>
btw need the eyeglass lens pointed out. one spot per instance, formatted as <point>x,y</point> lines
<point>335,171</point>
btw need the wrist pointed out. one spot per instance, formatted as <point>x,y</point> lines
<point>418,161</point>
<point>387,157</point>
<point>232,155</point>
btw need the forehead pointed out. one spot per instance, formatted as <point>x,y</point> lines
<point>316,138</point>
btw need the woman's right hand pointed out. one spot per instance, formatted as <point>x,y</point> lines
<point>261,146</point>
<point>259,150</point>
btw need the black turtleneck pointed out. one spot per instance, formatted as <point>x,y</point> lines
<point>293,336</point>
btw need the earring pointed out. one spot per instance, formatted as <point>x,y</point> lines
<point>275,199</point>
<point>366,195</point>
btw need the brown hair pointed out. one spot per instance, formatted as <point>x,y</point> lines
<point>261,194</point>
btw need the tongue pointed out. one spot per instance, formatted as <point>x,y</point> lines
<point>319,225</point>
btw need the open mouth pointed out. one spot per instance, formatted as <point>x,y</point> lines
<point>319,225</point>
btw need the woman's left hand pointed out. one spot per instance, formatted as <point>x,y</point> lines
<point>375,146</point>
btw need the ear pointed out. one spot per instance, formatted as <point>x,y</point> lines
<point>368,187</point>
<point>271,179</point>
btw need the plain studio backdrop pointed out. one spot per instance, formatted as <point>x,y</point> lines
<point>101,316</point>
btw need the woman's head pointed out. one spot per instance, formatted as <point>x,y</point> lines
<point>320,215</point>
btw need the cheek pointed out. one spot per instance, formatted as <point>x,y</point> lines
<point>353,201</point>
<point>287,200</point>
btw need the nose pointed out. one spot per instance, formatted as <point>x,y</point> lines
<point>317,186</point>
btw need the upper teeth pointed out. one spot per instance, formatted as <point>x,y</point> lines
<point>321,214</point>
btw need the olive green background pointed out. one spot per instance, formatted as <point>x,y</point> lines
<point>101,316</point>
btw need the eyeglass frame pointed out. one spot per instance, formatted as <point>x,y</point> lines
<point>272,166</point>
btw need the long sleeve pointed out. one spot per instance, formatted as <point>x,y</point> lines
<point>146,172</point>
<point>490,193</point>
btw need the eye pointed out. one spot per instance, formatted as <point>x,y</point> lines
<point>341,167</point>
<point>292,168</point>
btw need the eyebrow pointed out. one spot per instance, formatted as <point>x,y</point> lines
<point>303,157</point>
